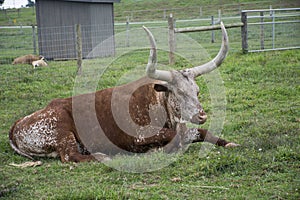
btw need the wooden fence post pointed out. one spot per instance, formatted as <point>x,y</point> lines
<point>127,32</point>
<point>171,40</point>
<point>33,39</point>
<point>212,32</point>
<point>273,27</point>
<point>79,48</point>
<point>262,34</point>
<point>200,11</point>
<point>244,32</point>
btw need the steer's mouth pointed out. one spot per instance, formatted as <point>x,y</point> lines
<point>199,118</point>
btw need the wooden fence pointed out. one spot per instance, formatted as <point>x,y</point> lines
<point>289,17</point>
<point>172,31</point>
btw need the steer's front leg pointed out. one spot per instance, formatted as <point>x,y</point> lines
<point>68,150</point>
<point>202,135</point>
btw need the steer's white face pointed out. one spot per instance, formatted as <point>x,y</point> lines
<point>182,94</point>
<point>181,89</point>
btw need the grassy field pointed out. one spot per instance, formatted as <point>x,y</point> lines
<point>262,92</point>
<point>262,114</point>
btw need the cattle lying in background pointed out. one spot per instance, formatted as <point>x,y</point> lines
<point>146,114</point>
<point>39,63</point>
<point>27,59</point>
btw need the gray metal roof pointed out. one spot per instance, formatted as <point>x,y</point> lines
<point>90,1</point>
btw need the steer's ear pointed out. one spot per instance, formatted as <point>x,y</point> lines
<point>161,88</point>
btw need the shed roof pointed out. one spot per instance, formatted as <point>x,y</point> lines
<point>90,1</point>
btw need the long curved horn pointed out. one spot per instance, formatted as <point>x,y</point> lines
<point>214,63</point>
<point>151,70</point>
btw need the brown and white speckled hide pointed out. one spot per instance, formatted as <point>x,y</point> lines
<point>48,132</point>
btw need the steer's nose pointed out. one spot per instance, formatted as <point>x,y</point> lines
<point>203,116</point>
<point>199,118</point>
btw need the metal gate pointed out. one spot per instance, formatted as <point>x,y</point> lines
<point>270,29</point>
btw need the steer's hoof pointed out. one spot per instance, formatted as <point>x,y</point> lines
<point>101,157</point>
<point>231,144</point>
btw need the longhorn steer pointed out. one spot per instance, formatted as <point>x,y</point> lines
<point>145,114</point>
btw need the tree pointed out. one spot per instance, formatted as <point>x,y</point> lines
<point>29,4</point>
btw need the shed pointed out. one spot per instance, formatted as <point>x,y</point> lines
<point>56,21</point>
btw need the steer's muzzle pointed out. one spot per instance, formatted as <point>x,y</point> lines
<point>199,118</point>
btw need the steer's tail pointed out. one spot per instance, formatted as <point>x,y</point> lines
<point>13,145</point>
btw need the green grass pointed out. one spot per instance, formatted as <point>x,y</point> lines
<point>17,17</point>
<point>262,114</point>
<point>262,91</point>
<point>139,10</point>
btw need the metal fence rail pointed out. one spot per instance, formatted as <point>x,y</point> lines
<point>270,29</point>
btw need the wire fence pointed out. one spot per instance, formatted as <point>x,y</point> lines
<point>60,42</point>
<point>16,41</point>
<point>266,30</point>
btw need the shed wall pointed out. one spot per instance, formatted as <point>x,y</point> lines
<point>56,28</point>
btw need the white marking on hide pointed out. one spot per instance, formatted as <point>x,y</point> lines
<point>39,138</point>
<point>26,117</point>
<point>140,138</point>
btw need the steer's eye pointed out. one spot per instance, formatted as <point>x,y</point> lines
<point>180,92</point>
